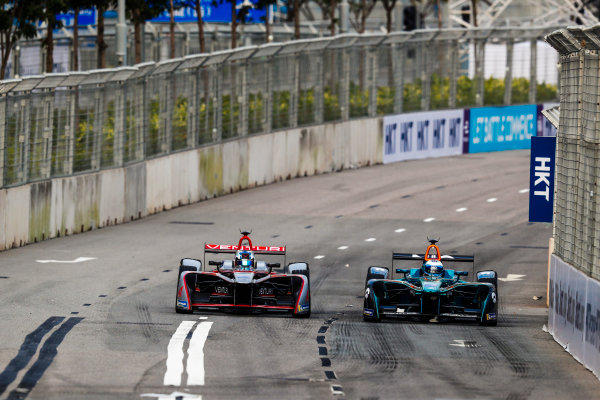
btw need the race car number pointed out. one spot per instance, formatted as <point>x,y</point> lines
<point>263,291</point>
<point>222,290</point>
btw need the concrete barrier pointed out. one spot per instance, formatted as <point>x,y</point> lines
<point>64,206</point>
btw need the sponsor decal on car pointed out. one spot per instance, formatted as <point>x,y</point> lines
<point>400,310</point>
<point>182,303</point>
<point>368,312</point>
<point>303,307</point>
<point>491,316</point>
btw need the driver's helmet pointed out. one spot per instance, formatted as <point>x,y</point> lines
<point>244,260</point>
<point>433,268</point>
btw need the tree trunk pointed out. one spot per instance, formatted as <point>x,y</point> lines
<point>50,44</point>
<point>76,40</point>
<point>101,61</point>
<point>137,32</point>
<point>332,17</point>
<point>200,27</point>
<point>171,30</point>
<point>233,25</point>
<point>363,17</point>
<point>388,20</point>
<point>474,8</point>
<point>267,24</point>
<point>297,19</point>
<point>5,49</point>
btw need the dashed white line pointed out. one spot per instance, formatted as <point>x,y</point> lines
<point>462,209</point>
<point>400,230</point>
<point>319,257</point>
<point>172,396</point>
<point>524,191</point>
<point>430,219</point>
<point>491,200</point>
<point>75,261</point>
<point>342,247</point>
<point>195,361</point>
<point>175,354</point>
<point>370,239</point>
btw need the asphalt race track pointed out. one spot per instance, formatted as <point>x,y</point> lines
<point>91,316</point>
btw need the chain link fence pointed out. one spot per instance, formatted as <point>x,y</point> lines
<point>577,217</point>
<point>63,124</point>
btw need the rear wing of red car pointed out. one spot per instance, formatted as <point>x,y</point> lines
<point>230,248</point>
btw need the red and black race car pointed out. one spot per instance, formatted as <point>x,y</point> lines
<point>242,282</point>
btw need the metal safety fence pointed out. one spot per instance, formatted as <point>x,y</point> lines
<point>577,214</point>
<point>63,124</point>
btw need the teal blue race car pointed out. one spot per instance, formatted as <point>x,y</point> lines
<point>431,292</point>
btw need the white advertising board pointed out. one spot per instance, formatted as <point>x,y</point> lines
<point>422,135</point>
<point>574,314</point>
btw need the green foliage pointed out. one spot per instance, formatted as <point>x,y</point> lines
<point>281,109</point>
<point>359,101</point>
<point>520,91</point>
<point>465,92</point>
<point>546,92</point>
<point>306,107</point>
<point>255,112</point>
<point>331,104</point>
<point>412,96</point>
<point>180,123</point>
<point>385,100</point>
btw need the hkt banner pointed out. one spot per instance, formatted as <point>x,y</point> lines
<point>541,179</point>
<point>421,135</point>
<point>502,128</point>
<point>574,313</point>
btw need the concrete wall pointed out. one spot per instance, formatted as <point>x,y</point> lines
<point>64,206</point>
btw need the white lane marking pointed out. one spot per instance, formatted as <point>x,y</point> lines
<point>464,343</point>
<point>462,209</point>
<point>524,191</point>
<point>337,390</point>
<point>400,230</point>
<point>370,240</point>
<point>512,278</point>
<point>172,396</point>
<point>319,257</point>
<point>342,247</point>
<point>491,200</point>
<point>77,260</point>
<point>195,361</point>
<point>175,354</point>
<point>347,265</point>
<point>202,317</point>
<point>430,219</point>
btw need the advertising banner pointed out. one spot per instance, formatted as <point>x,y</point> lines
<point>422,135</point>
<point>541,179</point>
<point>502,128</point>
<point>574,315</point>
<point>211,12</point>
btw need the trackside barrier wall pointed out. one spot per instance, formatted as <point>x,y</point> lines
<point>63,206</point>
<point>575,265</point>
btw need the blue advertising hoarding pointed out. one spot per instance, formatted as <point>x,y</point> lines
<point>541,179</point>
<point>502,128</point>
<point>221,12</point>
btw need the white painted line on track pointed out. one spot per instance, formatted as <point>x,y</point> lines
<point>319,257</point>
<point>524,191</point>
<point>195,361</point>
<point>400,230</point>
<point>342,247</point>
<point>512,278</point>
<point>491,200</point>
<point>370,240</point>
<point>337,390</point>
<point>430,219</point>
<point>77,260</point>
<point>202,317</point>
<point>175,354</point>
<point>462,209</point>
<point>172,396</point>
